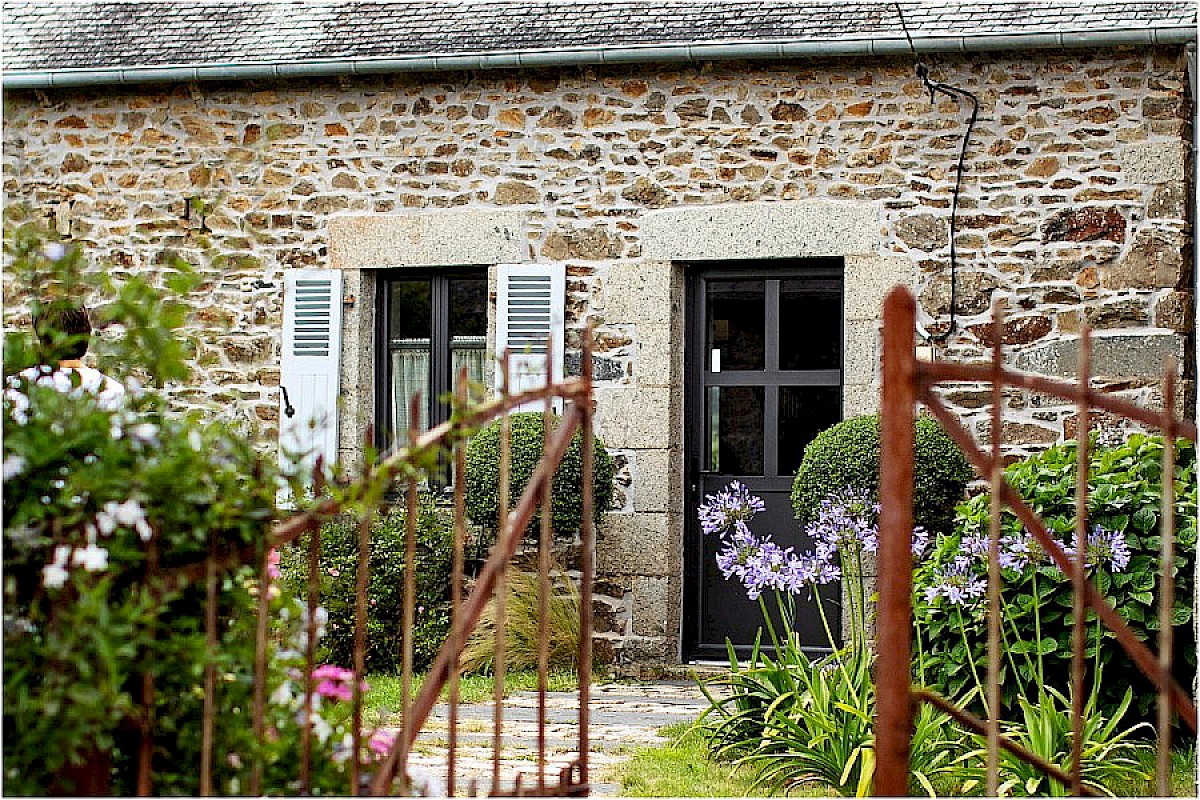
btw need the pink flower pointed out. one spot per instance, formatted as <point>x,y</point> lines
<point>334,571</point>
<point>330,672</point>
<point>382,742</point>
<point>336,683</point>
<point>334,690</point>
<point>273,564</point>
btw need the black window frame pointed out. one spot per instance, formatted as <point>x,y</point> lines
<point>436,409</point>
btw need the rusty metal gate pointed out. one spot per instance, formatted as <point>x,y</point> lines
<point>908,381</point>
<point>390,775</point>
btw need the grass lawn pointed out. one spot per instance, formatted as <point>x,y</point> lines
<point>682,768</point>
<point>1183,775</point>
<point>387,690</point>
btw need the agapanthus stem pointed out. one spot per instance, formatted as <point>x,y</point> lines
<point>762,604</point>
<point>962,628</point>
<point>1037,629</point>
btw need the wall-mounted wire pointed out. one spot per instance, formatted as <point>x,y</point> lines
<point>955,93</point>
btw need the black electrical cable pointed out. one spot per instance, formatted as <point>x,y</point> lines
<point>954,93</point>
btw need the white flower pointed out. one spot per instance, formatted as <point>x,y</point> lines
<point>54,576</point>
<point>20,405</point>
<point>194,440</point>
<point>61,554</point>
<point>321,728</point>
<point>144,433</point>
<point>54,250</point>
<point>127,514</point>
<point>283,695</point>
<point>13,466</point>
<point>93,558</point>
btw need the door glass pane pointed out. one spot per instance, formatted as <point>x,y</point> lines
<point>736,324</point>
<point>810,324</point>
<point>735,415</point>
<point>804,411</point>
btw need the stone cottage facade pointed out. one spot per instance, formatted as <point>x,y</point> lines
<point>656,158</point>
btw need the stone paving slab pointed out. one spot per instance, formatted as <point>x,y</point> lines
<point>624,718</point>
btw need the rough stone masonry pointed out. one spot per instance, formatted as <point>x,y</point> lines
<point>1074,208</point>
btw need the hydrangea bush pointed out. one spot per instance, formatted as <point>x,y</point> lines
<point>1125,486</point>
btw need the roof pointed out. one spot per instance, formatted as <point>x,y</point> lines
<point>56,37</point>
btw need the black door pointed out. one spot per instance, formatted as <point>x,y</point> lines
<point>764,372</point>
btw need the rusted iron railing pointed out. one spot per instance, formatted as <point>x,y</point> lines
<point>390,774</point>
<point>908,381</point>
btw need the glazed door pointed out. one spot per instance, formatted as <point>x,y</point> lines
<point>764,364</point>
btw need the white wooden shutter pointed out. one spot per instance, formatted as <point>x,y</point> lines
<point>531,303</point>
<point>310,367</point>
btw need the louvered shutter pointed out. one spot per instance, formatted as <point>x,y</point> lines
<point>311,366</point>
<point>530,300</point>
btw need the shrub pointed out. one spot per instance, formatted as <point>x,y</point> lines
<point>521,625</point>
<point>1124,491</point>
<point>91,491</point>
<point>385,589</point>
<point>847,454</point>
<point>483,475</point>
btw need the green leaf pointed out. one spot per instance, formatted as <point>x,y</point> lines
<point>1145,519</point>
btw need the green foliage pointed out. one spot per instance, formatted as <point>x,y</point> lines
<point>521,625</point>
<point>142,323</point>
<point>847,454</point>
<point>1045,729</point>
<point>1124,493</point>
<point>800,722</point>
<point>483,475</point>
<point>385,590</point>
<point>93,494</point>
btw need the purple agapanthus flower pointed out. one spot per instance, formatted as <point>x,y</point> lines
<point>846,521</point>
<point>956,582</point>
<point>721,512</point>
<point>1106,548</point>
<point>771,567</point>
<point>974,545</point>
<point>920,540</point>
<point>738,551</point>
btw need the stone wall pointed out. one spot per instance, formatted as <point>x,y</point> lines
<point>1074,208</point>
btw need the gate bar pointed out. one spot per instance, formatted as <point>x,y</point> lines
<point>894,710</point>
<point>993,565</point>
<point>1166,591</point>
<point>1083,431</point>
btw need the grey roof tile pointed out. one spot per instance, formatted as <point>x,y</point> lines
<point>55,34</point>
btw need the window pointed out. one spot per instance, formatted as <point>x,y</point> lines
<point>431,324</point>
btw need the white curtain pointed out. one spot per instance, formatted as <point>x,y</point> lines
<point>469,352</point>
<point>410,374</point>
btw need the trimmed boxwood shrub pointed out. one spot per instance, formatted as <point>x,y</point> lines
<point>1124,494</point>
<point>385,590</point>
<point>483,475</point>
<point>847,454</point>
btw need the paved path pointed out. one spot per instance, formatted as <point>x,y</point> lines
<point>624,717</point>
